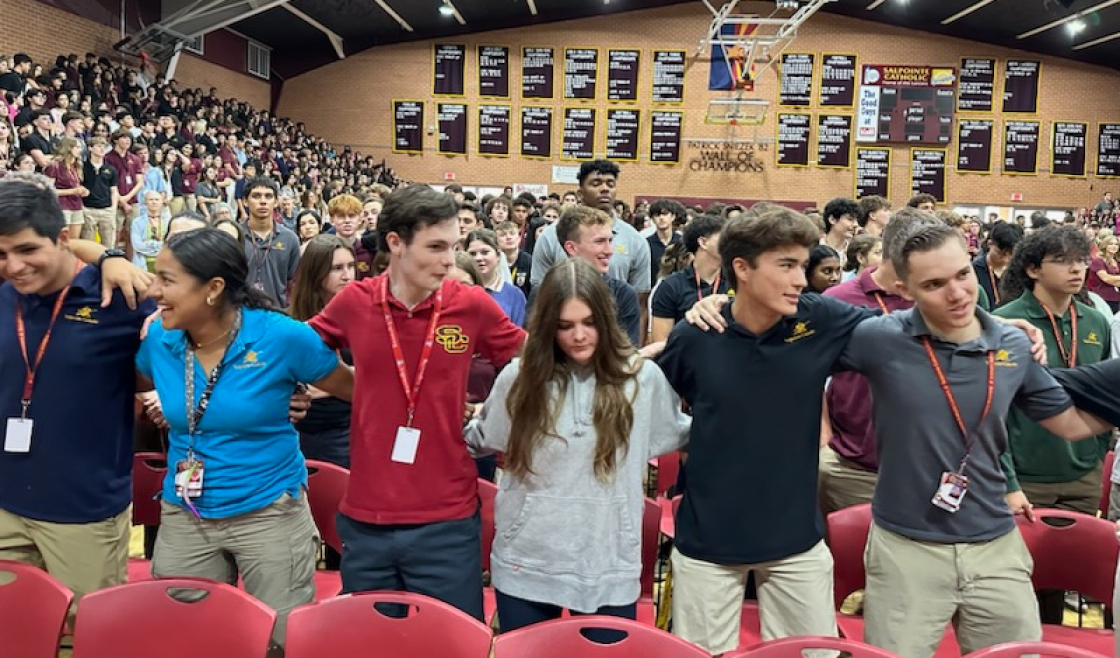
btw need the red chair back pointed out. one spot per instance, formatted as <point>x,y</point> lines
<point>172,618</point>
<point>848,529</point>
<point>1072,551</point>
<point>1106,483</point>
<point>33,608</point>
<point>326,487</point>
<point>487,494</point>
<point>1017,649</point>
<point>561,638</point>
<point>148,471</point>
<point>651,542</point>
<point>351,627</point>
<point>668,466</point>
<point>794,647</point>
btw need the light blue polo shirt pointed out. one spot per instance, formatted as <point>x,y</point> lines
<point>246,441</point>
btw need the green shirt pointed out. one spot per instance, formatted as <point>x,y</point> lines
<point>1034,454</point>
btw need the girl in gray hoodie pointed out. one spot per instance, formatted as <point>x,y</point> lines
<point>578,417</point>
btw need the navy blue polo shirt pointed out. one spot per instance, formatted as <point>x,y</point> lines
<point>80,464</point>
<point>752,455</point>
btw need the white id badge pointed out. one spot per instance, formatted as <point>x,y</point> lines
<point>18,436</point>
<point>951,491</point>
<point>405,445</point>
<point>188,479</point>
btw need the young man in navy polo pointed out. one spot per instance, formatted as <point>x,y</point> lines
<point>67,382</point>
<point>409,521</point>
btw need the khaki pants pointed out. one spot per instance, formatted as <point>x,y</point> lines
<point>101,223</point>
<point>1082,495</point>
<point>274,549</point>
<point>842,484</point>
<point>74,222</point>
<point>176,205</point>
<point>85,557</point>
<point>915,589</point>
<point>794,598</point>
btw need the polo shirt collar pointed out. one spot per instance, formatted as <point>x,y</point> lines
<point>429,301</point>
<point>782,325</point>
<point>990,330</point>
<point>1034,310</point>
<point>868,285</point>
<point>252,330</point>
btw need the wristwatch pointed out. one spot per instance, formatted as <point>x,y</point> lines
<point>110,253</point>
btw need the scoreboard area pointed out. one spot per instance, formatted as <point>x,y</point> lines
<point>915,115</point>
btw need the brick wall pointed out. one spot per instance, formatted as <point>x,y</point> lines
<point>348,102</point>
<point>44,32</point>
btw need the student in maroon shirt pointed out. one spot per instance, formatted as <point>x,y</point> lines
<point>410,519</point>
<point>849,467</point>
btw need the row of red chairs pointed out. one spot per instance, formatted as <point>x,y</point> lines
<point>150,619</point>
<point>1071,551</point>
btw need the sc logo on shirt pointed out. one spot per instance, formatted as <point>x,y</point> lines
<point>452,339</point>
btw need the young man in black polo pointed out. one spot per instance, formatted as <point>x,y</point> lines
<point>751,503</point>
<point>664,213</point>
<point>990,265</point>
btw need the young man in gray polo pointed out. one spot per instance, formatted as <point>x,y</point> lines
<point>943,547</point>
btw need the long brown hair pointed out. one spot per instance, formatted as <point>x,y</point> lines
<point>533,409</point>
<point>64,154</point>
<point>308,297</point>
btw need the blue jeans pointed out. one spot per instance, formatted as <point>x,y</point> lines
<point>442,560</point>
<point>515,613</point>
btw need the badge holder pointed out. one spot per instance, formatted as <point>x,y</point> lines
<point>951,491</point>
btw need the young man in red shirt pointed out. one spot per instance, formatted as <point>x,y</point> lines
<point>410,519</point>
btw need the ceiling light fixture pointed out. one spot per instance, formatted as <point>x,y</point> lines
<point>1096,42</point>
<point>875,4</point>
<point>1081,14</point>
<point>446,9</point>
<point>1075,27</point>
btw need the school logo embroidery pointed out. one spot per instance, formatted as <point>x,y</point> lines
<point>620,249</point>
<point>1003,358</point>
<point>1092,339</point>
<point>250,360</point>
<point>452,339</point>
<point>85,315</point>
<point>519,280</point>
<point>279,246</point>
<point>801,331</point>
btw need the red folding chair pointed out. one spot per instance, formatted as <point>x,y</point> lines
<point>487,494</point>
<point>651,544</point>
<point>148,471</point>
<point>1106,483</point>
<point>794,647</point>
<point>562,638</point>
<point>1018,649</point>
<point>668,466</point>
<point>1073,552</point>
<point>848,530</point>
<point>326,487</point>
<point>350,626</point>
<point>141,620</point>
<point>33,607</point>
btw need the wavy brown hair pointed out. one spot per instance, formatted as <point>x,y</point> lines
<point>533,410</point>
<point>308,296</point>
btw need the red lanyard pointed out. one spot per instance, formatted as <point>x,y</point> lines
<point>882,304</point>
<point>715,284</point>
<point>995,288</point>
<point>953,401</point>
<point>1069,357</point>
<point>411,391</point>
<point>21,333</point>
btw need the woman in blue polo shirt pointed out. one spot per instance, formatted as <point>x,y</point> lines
<point>224,364</point>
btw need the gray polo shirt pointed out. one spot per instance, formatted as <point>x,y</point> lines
<point>630,261</point>
<point>272,262</point>
<point>918,439</point>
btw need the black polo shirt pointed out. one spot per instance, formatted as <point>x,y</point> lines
<point>657,250</point>
<point>752,455</point>
<point>79,469</point>
<point>100,181</point>
<point>35,141</point>
<point>678,292</point>
<point>522,271</point>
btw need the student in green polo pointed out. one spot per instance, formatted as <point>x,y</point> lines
<point>1046,279</point>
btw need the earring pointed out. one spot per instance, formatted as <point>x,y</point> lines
<point>209,301</point>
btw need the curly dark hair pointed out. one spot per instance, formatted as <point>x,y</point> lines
<point>1064,242</point>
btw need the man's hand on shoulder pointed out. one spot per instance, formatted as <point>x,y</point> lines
<point>133,282</point>
<point>706,313</point>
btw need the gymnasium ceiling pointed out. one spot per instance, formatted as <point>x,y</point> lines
<point>1084,30</point>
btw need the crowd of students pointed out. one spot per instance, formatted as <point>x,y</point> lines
<point>405,332</point>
